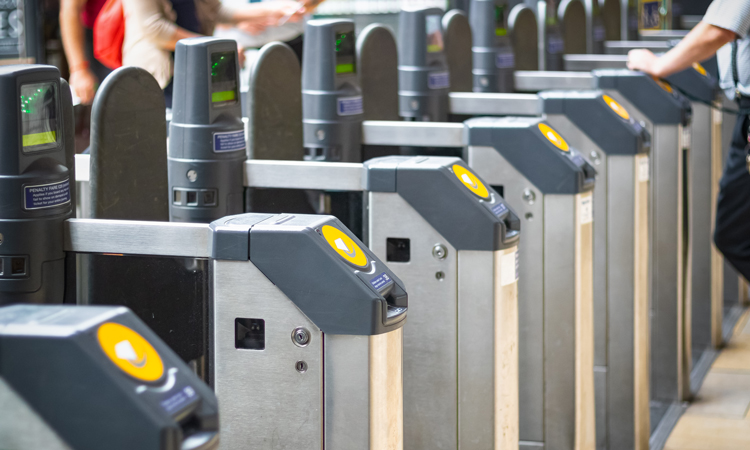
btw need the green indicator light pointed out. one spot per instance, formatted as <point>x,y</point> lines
<point>47,137</point>
<point>501,32</point>
<point>222,96</point>
<point>345,68</point>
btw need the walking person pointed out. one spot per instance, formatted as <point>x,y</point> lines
<point>722,31</point>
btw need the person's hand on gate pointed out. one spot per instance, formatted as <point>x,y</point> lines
<point>642,60</point>
<point>83,82</point>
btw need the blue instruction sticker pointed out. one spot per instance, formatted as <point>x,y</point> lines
<point>499,209</point>
<point>46,195</point>
<point>179,400</point>
<point>599,33</point>
<point>229,141</point>
<point>505,60</point>
<point>381,281</point>
<point>650,14</point>
<point>350,106</point>
<point>555,45</point>
<point>439,80</point>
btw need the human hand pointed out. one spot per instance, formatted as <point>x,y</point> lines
<point>253,27</point>
<point>643,60</point>
<point>83,82</point>
<point>290,11</point>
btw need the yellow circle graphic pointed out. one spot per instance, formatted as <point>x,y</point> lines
<point>664,85</point>
<point>344,246</point>
<point>616,107</point>
<point>470,180</point>
<point>133,354</point>
<point>700,69</point>
<point>554,137</point>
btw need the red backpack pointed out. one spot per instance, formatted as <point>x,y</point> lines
<point>109,34</point>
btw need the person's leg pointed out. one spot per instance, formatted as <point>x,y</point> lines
<point>732,232</point>
<point>297,44</point>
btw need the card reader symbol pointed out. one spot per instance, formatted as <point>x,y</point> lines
<point>124,350</point>
<point>341,245</point>
<point>467,180</point>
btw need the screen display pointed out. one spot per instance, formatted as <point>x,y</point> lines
<point>39,130</point>
<point>500,22</point>
<point>345,59</point>
<point>434,34</point>
<point>223,78</point>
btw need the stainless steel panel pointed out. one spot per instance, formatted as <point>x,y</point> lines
<point>476,350</point>
<point>303,175</point>
<point>531,81</point>
<point>347,392</point>
<point>418,134</point>
<point>669,294</point>
<point>471,103</point>
<point>541,27</point>
<point>621,297</point>
<point>134,237</point>
<point>600,387</point>
<point>560,322</point>
<point>264,402</point>
<point>489,164</point>
<point>21,427</point>
<point>701,223</point>
<point>598,159</point>
<point>431,336</point>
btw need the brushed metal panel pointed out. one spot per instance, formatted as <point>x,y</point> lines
<point>533,81</point>
<point>21,427</point>
<point>431,336</point>
<point>264,402</point>
<point>347,392</point>
<point>471,103</point>
<point>476,350</point>
<point>492,167</point>
<point>701,224</point>
<point>560,321</point>
<point>303,175</point>
<point>134,237</point>
<point>620,317</point>
<point>418,134</point>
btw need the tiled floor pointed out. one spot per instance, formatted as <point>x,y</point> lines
<point>718,418</point>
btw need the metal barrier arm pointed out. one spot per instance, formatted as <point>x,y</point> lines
<point>470,103</point>
<point>531,81</point>
<point>329,176</point>
<point>132,237</point>
<point>418,134</point>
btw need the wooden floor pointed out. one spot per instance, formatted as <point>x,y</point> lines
<point>718,418</point>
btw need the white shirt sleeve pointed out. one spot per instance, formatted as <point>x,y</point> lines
<point>733,15</point>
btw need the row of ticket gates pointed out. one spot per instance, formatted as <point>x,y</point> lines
<point>555,247</point>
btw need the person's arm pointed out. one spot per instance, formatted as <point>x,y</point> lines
<point>156,26</point>
<point>263,13</point>
<point>82,79</point>
<point>700,44</point>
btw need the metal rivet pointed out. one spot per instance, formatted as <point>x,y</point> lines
<point>595,157</point>
<point>529,196</point>
<point>529,217</point>
<point>414,105</point>
<point>320,134</point>
<point>301,366</point>
<point>440,276</point>
<point>439,251</point>
<point>192,175</point>
<point>484,81</point>
<point>300,337</point>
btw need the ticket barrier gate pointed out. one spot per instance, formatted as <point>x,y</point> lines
<point>540,395</point>
<point>454,241</point>
<point>666,116</point>
<point>268,316</point>
<point>62,365</point>
<point>705,168</point>
<point>590,121</point>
